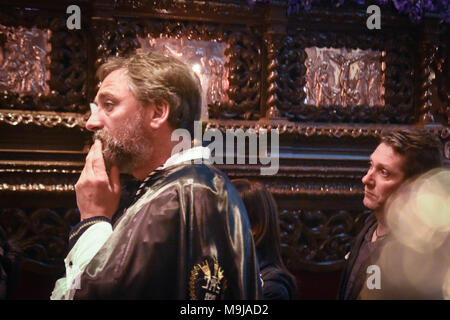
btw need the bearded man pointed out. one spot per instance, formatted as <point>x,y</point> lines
<point>185,234</point>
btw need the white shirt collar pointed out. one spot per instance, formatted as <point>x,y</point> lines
<point>203,153</point>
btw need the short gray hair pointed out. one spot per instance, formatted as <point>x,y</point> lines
<point>154,78</point>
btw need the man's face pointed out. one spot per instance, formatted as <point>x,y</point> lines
<point>385,175</point>
<point>118,123</point>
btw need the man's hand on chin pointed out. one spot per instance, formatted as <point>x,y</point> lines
<point>97,193</point>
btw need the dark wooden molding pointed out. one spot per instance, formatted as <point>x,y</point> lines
<point>323,149</point>
<point>49,119</point>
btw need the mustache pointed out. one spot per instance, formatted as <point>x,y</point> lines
<point>112,150</point>
<point>106,139</point>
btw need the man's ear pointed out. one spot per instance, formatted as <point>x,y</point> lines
<point>158,114</point>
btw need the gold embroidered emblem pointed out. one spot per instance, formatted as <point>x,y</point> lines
<point>207,281</point>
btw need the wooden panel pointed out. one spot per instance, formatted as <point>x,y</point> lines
<point>323,149</point>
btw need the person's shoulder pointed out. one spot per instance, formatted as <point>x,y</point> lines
<point>275,290</point>
<point>274,273</point>
<point>199,174</point>
<point>277,282</point>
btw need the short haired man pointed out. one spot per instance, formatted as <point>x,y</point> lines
<point>186,234</point>
<point>400,156</point>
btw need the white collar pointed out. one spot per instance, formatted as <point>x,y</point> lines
<point>203,153</point>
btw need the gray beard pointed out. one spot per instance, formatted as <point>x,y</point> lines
<point>128,150</point>
<point>114,153</point>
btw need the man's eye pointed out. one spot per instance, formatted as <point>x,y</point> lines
<point>384,172</point>
<point>108,106</point>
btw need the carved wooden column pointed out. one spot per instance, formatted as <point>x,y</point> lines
<point>274,37</point>
<point>428,48</point>
<point>442,81</point>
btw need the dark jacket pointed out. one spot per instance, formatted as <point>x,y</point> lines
<point>277,285</point>
<point>187,237</point>
<point>354,251</point>
<point>396,262</point>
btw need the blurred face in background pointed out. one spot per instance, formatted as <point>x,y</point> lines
<point>385,175</point>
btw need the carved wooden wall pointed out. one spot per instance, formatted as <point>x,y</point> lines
<point>48,79</point>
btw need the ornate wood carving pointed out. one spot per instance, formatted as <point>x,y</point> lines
<point>38,179</point>
<point>319,129</point>
<point>323,148</point>
<point>68,61</point>
<point>43,118</point>
<point>272,102</point>
<point>311,239</point>
<point>318,239</point>
<point>242,52</point>
<point>441,66</point>
<point>244,67</point>
<point>41,234</point>
<point>399,89</point>
<point>205,58</point>
<point>344,77</point>
<point>426,76</point>
<point>224,10</point>
<point>24,60</point>
<point>274,34</point>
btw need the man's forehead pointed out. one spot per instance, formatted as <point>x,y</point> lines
<point>104,95</point>
<point>117,77</point>
<point>114,85</point>
<point>386,156</point>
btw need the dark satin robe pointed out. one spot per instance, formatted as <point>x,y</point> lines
<point>187,237</point>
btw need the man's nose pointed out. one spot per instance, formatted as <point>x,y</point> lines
<point>368,179</point>
<point>94,122</point>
